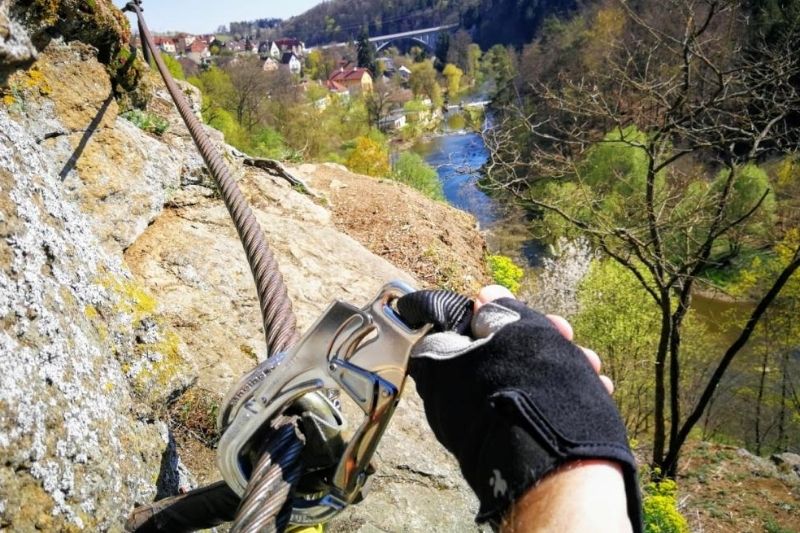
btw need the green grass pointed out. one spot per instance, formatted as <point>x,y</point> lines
<point>147,121</point>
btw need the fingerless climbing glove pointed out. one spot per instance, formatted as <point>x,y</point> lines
<point>511,398</point>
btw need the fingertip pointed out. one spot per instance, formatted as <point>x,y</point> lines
<point>491,293</point>
<point>593,358</point>
<point>562,326</point>
<point>609,385</point>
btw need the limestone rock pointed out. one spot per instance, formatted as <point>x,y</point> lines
<point>80,345</point>
<point>98,23</point>
<point>16,49</point>
<point>787,462</point>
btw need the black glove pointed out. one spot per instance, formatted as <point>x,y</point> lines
<point>511,398</point>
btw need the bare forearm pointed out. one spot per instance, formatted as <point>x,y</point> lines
<point>585,496</point>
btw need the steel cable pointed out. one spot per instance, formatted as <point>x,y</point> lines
<point>276,308</point>
<point>266,504</point>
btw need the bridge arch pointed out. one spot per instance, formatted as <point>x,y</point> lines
<point>383,44</point>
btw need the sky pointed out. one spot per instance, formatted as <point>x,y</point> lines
<point>204,16</point>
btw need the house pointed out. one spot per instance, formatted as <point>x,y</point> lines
<point>392,122</point>
<point>404,72</point>
<point>336,88</point>
<point>269,49</point>
<point>386,65</point>
<point>296,46</point>
<point>185,41</point>
<point>290,61</point>
<point>198,52</point>
<point>166,45</point>
<point>354,79</point>
<point>235,47</point>
<point>271,64</point>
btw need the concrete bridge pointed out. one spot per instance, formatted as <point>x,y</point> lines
<point>467,105</point>
<point>426,37</point>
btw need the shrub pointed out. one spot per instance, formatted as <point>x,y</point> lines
<point>147,121</point>
<point>369,157</point>
<point>173,66</point>
<point>660,507</point>
<point>412,170</point>
<point>505,272</point>
<point>269,143</point>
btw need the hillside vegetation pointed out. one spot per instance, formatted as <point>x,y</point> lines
<point>490,21</point>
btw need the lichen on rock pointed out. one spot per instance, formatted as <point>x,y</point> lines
<point>16,49</point>
<point>69,414</point>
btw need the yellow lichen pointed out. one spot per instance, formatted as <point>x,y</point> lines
<point>153,365</point>
<point>158,373</point>
<point>133,299</point>
<point>8,100</point>
<point>35,79</point>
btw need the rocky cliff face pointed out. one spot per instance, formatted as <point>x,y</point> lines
<point>123,283</point>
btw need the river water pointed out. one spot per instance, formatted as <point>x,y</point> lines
<point>458,157</point>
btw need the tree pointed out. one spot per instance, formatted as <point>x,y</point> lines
<point>473,69</point>
<point>679,109</point>
<point>250,89</point>
<point>423,82</point>
<point>772,387</point>
<point>314,66</point>
<point>369,157</point>
<point>174,67</point>
<point>366,51</point>
<point>453,75</point>
<point>378,103</point>
<point>217,90</point>
<point>442,48</point>
<point>412,170</point>
<point>459,52</point>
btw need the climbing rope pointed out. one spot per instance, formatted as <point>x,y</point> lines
<point>266,505</point>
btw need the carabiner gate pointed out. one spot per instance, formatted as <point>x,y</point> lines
<point>361,352</point>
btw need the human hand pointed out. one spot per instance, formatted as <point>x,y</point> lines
<point>491,293</point>
<point>508,393</point>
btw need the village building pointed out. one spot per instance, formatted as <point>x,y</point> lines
<point>269,49</point>
<point>386,65</point>
<point>166,45</point>
<point>236,46</point>
<point>336,88</point>
<point>404,72</point>
<point>290,61</point>
<point>355,79</point>
<point>392,122</point>
<point>271,64</point>
<point>198,52</point>
<point>296,46</point>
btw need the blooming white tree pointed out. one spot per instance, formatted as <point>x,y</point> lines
<point>556,287</point>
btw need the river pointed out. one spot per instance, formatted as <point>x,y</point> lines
<point>458,155</point>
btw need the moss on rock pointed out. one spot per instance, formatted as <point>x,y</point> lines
<point>95,22</point>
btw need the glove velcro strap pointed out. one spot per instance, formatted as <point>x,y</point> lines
<point>526,438</point>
